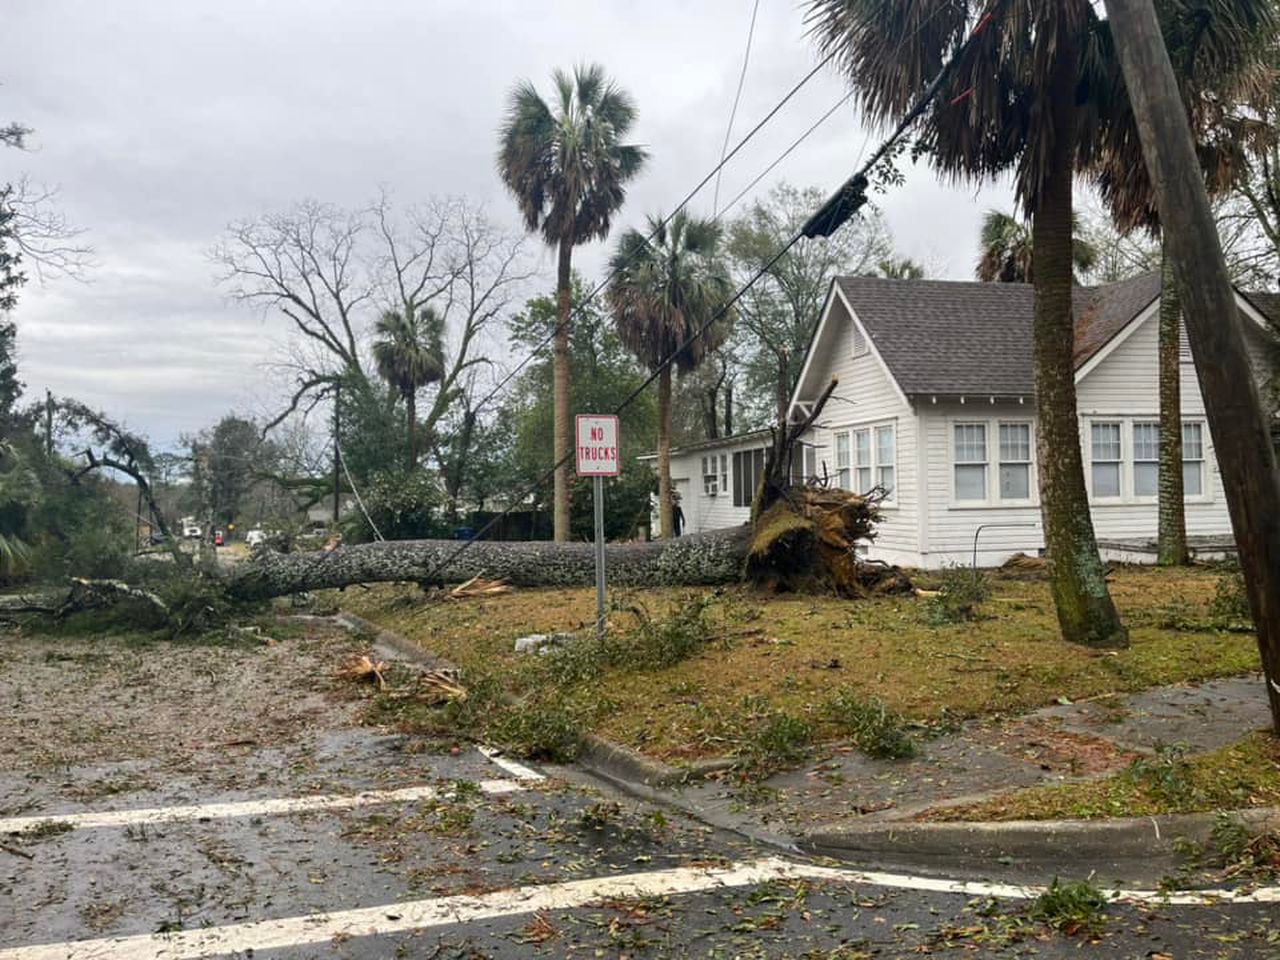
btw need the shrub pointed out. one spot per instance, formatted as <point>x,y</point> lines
<point>773,738</point>
<point>960,592</point>
<point>877,731</point>
<point>1230,598</point>
<point>1073,907</point>
<point>404,506</point>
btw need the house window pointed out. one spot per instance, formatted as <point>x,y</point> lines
<point>804,464</point>
<point>715,474</point>
<point>970,461</point>
<point>1146,459</point>
<point>748,468</point>
<point>843,477</point>
<point>885,460</point>
<point>861,461</point>
<point>1015,461</point>
<point>1193,459</point>
<point>1105,459</point>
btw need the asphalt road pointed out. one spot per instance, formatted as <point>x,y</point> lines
<point>341,841</point>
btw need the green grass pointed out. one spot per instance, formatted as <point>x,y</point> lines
<point>1244,774</point>
<point>691,673</point>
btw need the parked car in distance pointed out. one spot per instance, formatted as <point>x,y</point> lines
<point>190,528</point>
<point>219,538</point>
<point>256,537</point>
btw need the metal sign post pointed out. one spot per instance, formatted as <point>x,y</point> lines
<point>596,453</point>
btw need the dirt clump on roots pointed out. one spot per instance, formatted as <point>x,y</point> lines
<point>808,541</point>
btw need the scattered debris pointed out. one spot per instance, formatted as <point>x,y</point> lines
<point>1022,566</point>
<point>479,587</point>
<point>16,851</point>
<point>362,668</point>
<point>440,686</point>
<point>541,642</point>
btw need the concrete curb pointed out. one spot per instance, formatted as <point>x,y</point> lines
<point>1026,842</point>
<point>622,765</point>
<point>395,644</point>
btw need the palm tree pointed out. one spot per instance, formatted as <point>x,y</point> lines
<point>667,286</point>
<point>1220,60</point>
<point>409,354</point>
<point>1006,249</point>
<point>1010,104</point>
<point>567,168</point>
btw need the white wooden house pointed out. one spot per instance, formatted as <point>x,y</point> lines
<point>935,402</point>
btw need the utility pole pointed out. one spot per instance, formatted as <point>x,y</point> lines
<point>337,456</point>
<point>1236,422</point>
<point>48,422</point>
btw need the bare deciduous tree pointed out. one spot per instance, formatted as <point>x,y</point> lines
<point>330,272</point>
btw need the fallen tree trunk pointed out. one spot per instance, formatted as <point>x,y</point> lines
<point>700,559</point>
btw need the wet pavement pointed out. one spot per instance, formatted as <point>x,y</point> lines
<point>1057,744</point>
<point>490,859</point>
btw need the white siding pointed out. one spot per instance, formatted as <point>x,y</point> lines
<point>950,525</point>
<point>1125,385</point>
<point>867,397</point>
<point>701,511</point>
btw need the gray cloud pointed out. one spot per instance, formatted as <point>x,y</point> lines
<point>162,122</point>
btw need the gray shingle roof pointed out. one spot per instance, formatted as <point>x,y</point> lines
<point>968,338</point>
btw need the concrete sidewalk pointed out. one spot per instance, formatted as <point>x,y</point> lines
<point>847,801</point>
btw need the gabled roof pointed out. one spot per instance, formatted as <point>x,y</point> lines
<point>951,338</point>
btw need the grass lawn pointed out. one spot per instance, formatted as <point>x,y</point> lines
<point>1244,774</point>
<point>770,666</point>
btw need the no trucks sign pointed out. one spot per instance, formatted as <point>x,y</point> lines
<point>596,450</point>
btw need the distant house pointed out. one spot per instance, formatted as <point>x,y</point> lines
<point>936,404</point>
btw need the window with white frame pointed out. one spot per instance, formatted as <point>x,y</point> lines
<point>1146,458</point>
<point>861,461</point>
<point>1105,458</point>
<point>843,459</point>
<point>1015,461</point>
<point>886,461</point>
<point>804,463</point>
<point>1192,459</point>
<point>970,441</point>
<point>715,474</point>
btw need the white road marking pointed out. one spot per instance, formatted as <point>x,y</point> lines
<point>245,808</point>
<point>448,911</point>
<point>517,770</point>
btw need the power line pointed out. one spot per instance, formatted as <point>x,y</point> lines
<point>733,112</point>
<point>838,207</point>
<point>599,287</point>
<point>787,152</point>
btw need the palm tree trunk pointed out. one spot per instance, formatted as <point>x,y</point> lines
<point>1171,549</point>
<point>665,513</point>
<point>411,403</point>
<point>1085,612</point>
<point>560,377</point>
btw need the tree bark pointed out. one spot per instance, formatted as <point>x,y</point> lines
<point>1086,614</point>
<point>1171,541</point>
<point>411,402</point>
<point>665,512</point>
<point>699,559</point>
<point>728,408</point>
<point>1236,420</point>
<point>561,385</point>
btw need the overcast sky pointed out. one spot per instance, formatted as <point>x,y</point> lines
<point>163,121</point>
